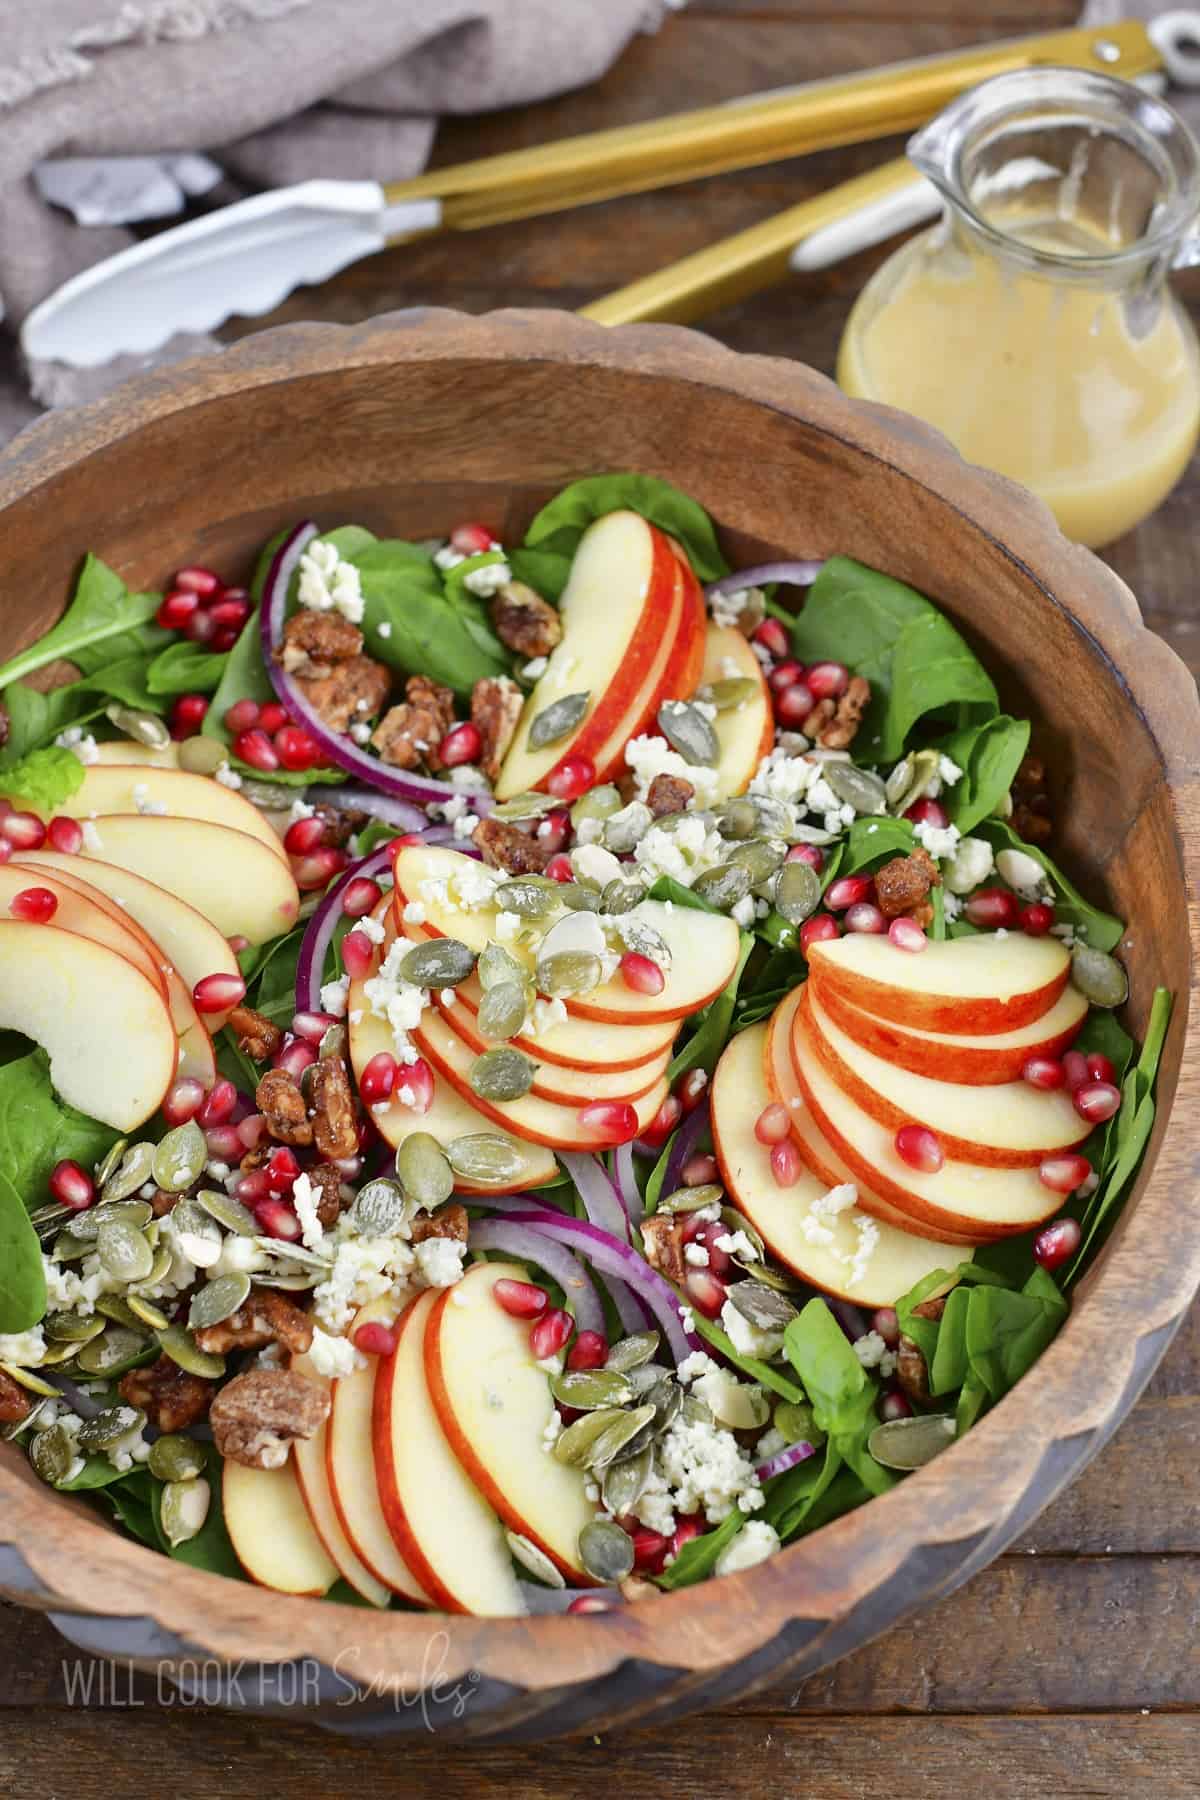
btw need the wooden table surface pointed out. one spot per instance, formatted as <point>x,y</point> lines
<point>1070,1667</point>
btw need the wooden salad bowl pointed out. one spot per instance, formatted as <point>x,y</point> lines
<point>417,420</point>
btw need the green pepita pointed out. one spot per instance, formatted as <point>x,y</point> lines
<point>636,935</point>
<point>620,896</point>
<point>116,1308</point>
<point>555,721</point>
<point>334,1041</point>
<point>134,1169</point>
<point>380,1208</point>
<point>528,897</point>
<point>110,1161</point>
<point>178,1343</point>
<point>115,1352</point>
<point>760,857</point>
<point>731,691</point>
<point>774,818</point>
<point>761,1306</point>
<point>424,1171</point>
<point>143,727</point>
<point>68,1248</point>
<point>722,886</point>
<point>645,1377</point>
<point>606,1551</point>
<point>587,1389</point>
<point>666,1397</point>
<point>1099,977</point>
<point>691,1199</point>
<point>498,968</point>
<point>204,756</point>
<point>27,1379</point>
<point>218,1300</point>
<point>625,829</point>
<point>196,1232</point>
<point>535,1562</point>
<point>631,1352</point>
<point>176,1458</point>
<point>502,1074</point>
<point>109,1427</point>
<point>624,1481</point>
<point>593,1440</point>
<point>124,1251</point>
<point>146,1313</point>
<point>183,1509</point>
<point>598,803</point>
<point>485,1157</point>
<point>439,962</point>
<point>137,1213</point>
<point>796,1421</point>
<point>179,1158</point>
<point>71,1328</point>
<point>228,1212</point>
<point>56,1354</point>
<point>797,892</point>
<point>687,730</point>
<point>695,1412</point>
<point>909,780</point>
<point>911,1443</point>
<point>580,896</point>
<point>525,806</point>
<point>52,1453</point>
<point>568,972</point>
<point>737,819</point>
<point>502,1011</point>
<point>859,788</point>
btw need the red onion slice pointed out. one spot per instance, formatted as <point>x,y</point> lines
<point>631,1309</point>
<point>310,968</point>
<point>561,1264</point>
<point>400,813</point>
<point>625,1182</point>
<point>601,1202</point>
<point>784,1460</point>
<point>690,1131</point>
<point>791,574</point>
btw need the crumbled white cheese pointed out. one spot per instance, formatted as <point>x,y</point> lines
<point>696,1254</point>
<point>448,557</point>
<point>682,853</point>
<point>305,1199</point>
<point>706,1469</point>
<point>693,1366</point>
<point>653,1508</point>
<point>333,996</point>
<point>298,810</point>
<point>384,628</point>
<point>414,913</point>
<point>488,579</point>
<point>329,584</point>
<point>440,1261</point>
<point>754,1543</point>
<point>736,1243</point>
<point>392,998</point>
<point>91,838</point>
<point>744,911</point>
<point>535,668</point>
<point>873,1353</point>
<point>938,840</point>
<point>952,906</point>
<point>545,1016</point>
<point>948,771</point>
<point>23,1349</point>
<point>80,743</point>
<point>727,608</point>
<point>360,733</point>
<point>363,1269</point>
<point>651,756</point>
<point>228,777</point>
<point>334,1356</point>
<point>868,1239</point>
<point>590,863</point>
<point>971,863</point>
<point>372,929</point>
<point>144,804</point>
<point>464,826</point>
<point>748,1339</point>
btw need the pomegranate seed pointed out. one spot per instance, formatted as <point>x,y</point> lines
<point>864,916</point>
<point>818,930</point>
<point>294,1057</point>
<point>786,1165</point>
<point>1099,1068</point>
<point>894,1405</point>
<point>377,1080</point>
<point>297,748</point>
<point>572,777</point>
<point>281,1169</point>
<point>551,1332</point>
<point>848,890</point>
<point>591,1603</point>
<point>706,1233</point>
<point>885,1320</point>
<point>358,955</point>
<point>65,834</point>
<point>649,1550</point>
<point>471,539</point>
<point>6,850</point>
<point>1044,1072</point>
<point>252,1130</point>
<point>919,1147</point>
<point>992,909</point>
<point>1063,1174</point>
<point>559,868</point>
<point>374,1338</point>
<point>663,1123</point>
<point>277,1219</point>
<point>200,581</point>
<point>684,1532</point>
<point>461,744</point>
<point>237,943</point>
<point>772,1124</point>
<point>785,675</point>
<point>828,680</point>
<point>200,628</point>
<point>218,1104</point>
<point>520,1298</point>
<point>1075,1069</point>
<point>176,609</point>
<point>255,747</point>
<point>305,835</point>
<point>253,1187</point>
<point>699,1170</point>
<point>554,830</point>
<point>589,1351</point>
<point>705,1292</point>
<point>793,706</point>
<point>36,905</point>
<point>612,1121</point>
<point>24,830</point>
<point>1097,1101</point>
<point>187,714</point>
<point>928,812</point>
<point>773,638</point>
<point>72,1186</point>
<point>230,614</point>
<point>318,868</point>
<point>1057,1241</point>
<point>183,1101</point>
<point>241,716</point>
<point>236,593</point>
<point>223,1143</point>
<point>217,993</point>
<point>271,716</point>
<point>691,1089</point>
<point>641,974</point>
<point>415,1089</point>
<point>1036,920</point>
<point>810,854</point>
<point>905,934</point>
<point>224,638</point>
<point>361,896</point>
<point>312,1026</point>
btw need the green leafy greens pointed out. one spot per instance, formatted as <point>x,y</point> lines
<point>551,540</point>
<point>103,612</point>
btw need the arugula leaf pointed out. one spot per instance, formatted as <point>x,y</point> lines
<point>101,610</point>
<point>761,1372</point>
<point>703,1049</point>
<point>22,1277</point>
<point>37,1129</point>
<point>42,780</point>
<point>185,668</point>
<point>1100,929</point>
<point>698,1557</point>
<point>560,525</point>
<point>989,756</point>
<point>915,660</point>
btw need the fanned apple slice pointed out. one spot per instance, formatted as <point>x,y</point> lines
<point>88,914</point>
<point>494,1403</point>
<point>82,1002</point>
<point>240,886</point>
<point>565,1087</point>
<point>820,1250</point>
<point>272,1535</point>
<point>119,751</point>
<point>445,1530</point>
<point>169,793</point>
<point>312,1478</point>
<point>671,669</point>
<point>993,982</point>
<point>621,1049</point>
<point>745,732</point>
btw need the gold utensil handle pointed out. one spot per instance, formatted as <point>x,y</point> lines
<point>820,115</point>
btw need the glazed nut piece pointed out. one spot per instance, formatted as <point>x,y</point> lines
<point>314,641</point>
<point>834,723</point>
<point>662,1235</point>
<point>170,1397</point>
<point>448,1222</point>
<point>524,622</point>
<point>15,1403</point>
<point>326,1181</point>
<point>281,1103</point>
<point>257,1416</point>
<point>1031,817</point>
<point>334,1125</point>
<point>351,691</point>
<point>408,735</point>
<point>911,1372</point>
<point>902,886</point>
<point>496,704</point>
<point>668,794</point>
<point>268,1317</point>
<point>507,847</point>
<point>256,1036</point>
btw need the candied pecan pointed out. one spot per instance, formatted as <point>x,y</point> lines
<point>256,1036</point>
<point>15,1403</point>
<point>1031,816</point>
<point>818,720</point>
<point>507,847</point>
<point>524,622</point>
<point>256,1416</point>
<point>170,1397</point>
<point>668,794</point>
<point>162,1202</point>
<point>279,1099</point>
<point>662,1236</point>
<point>840,732</point>
<point>408,735</point>
<point>334,1126</point>
<point>267,1317</point>
<point>902,885</point>
<point>351,693</point>
<point>911,1372</point>
<point>314,641</point>
<point>448,1222</point>
<point>340,823</point>
<point>496,704</point>
<point>327,1184</point>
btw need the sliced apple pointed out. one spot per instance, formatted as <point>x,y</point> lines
<point>494,1403</point>
<point>104,1025</point>
<point>670,668</point>
<point>574,1046</point>
<point>984,1060</point>
<point>566,1087</point>
<point>991,982</point>
<point>350,1469</point>
<point>445,1530</point>
<point>898,1260</point>
<point>85,914</point>
<point>272,1535</point>
<point>124,750</point>
<point>240,886</point>
<point>136,788</point>
<point>745,732</point>
<point>312,1478</point>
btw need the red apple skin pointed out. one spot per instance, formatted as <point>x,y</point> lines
<point>975,1065</point>
<point>936,1012</point>
<point>967,1150</point>
<point>468,1003</point>
<point>641,1080</point>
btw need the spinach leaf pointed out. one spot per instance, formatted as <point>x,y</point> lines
<point>42,780</point>
<point>545,571</point>
<point>843,1395</point>
<point>915,660</point>
<point>937,899</point>
<point>698,1557</point>
<point>560,525</point>
<point>761,1372</point>
<point>923,1332</point>
<point>658,1175</point>
<point>35,719</point>
<point>1005,1333</point>
<point>1100,929</point>
<point>791,1498</point>
<point>244,677</point>
<point>989,756</point>
<point>37,1129</point>
<point>950,1364</point>
<point>703,1049</point>
<point>185,668</point>
<point>22,1278</point>
<point>427,628</point>
<point>130,1499</point>
<point>97,1472</point>
<point>102,610</point>
<point>869,840</point>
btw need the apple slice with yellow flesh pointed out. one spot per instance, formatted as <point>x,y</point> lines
<point>745,732</point>
<point>84,1003</point>
<point>824,1254</point>
<point>989,983</point>
<point>671,669</point>
<point>985,1203</point>
<point>350,1470</point>
<point>123,750</point>
<point>565,1087</point>
<point>272,1535</point>
<point>621,1049</point>
<point>312,1478</point>
<point>445,1530</point>
<point>240,886</point>
<point>186,938</point>
<point>169,793</point>
<point>494,1403</point>
<point>984,1059</point>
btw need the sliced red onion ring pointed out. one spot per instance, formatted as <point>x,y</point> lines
<point>400,813</point>
<point>601,1201</point>
<point>785,1459</point>
<point>310,968</point>
<point>561,1264</point>
<point>335,747</point>
<point>625,1182</point>
<point>852,1321</point>
<point>633,1311</point>
<point>792,574</point>
<point>692,1129</point>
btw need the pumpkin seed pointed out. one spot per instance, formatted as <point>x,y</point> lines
<point>645,1376</point>
<point>497,968</point>
<point>143,727</point>
<point>70,1328</point>
<point>1099,977</point>
<point>179,1344</point>
<point>737,819</point>
<point>228,1212</point>
<point>691,1199</point>
<point>529,897</point>
<point>176,1458</point>
<point>52,1453</point>
<point>379,1208</point>
<point>502,1011</point>
<point>114,1352</point>
<point>116,1308</point>
<point>761,1306</point>
<point>134,1168</point>
<point>798,1424</point>
<point>147,1313</point>
<point>485,1157</point>
<point>621,896</point>
<point>606,1551</point>
<point>760,857</point>
<point>630,1352</point>
<point>666,1397</point>
<point>334,1040</point>
<point>503,1074</point>
<point>722,886</point>
<point>598,803</point>
<point>109,1427</point>
<point>525,806</point>
<point>909,779</point>
<point>772,1278</point>
<point>636,935</point>
<point>797,892</point>
<point>687,730</point>
<point>569,972</point>
<point>179,1158</point>
<point>555,721</point>
<point>580,896</point>
<point>69,1248</point>
<point>183,1508</point>
<point>423,1169</point>
<point>775,819</point>
<point>298,1255</point>
<point>110,1161</point>
<point>735,1404</point>
<point>625,1480</point>
<point>137,1213</point>
<point>586,1389</point>
<point>440,962</point>
<point>624,829</point>
<point>730,692</point>
<point>535,1562</point>
<point>203,756</point>
<point>859,788</point>
<point>754,611</point>
<point>27,1379</point>
<point>124,1251</point>
<point>160,1268</point>
<point>911,1443</point>
<point>593,1440</point>
<point>695,1411</point>
<point>55,1354</point>
<point>218,1300</point>
<point>196,1232</point>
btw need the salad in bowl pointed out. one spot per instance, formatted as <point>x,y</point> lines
<point>533,1073</point>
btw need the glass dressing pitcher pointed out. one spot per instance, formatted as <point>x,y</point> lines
<point>1034,325</point>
